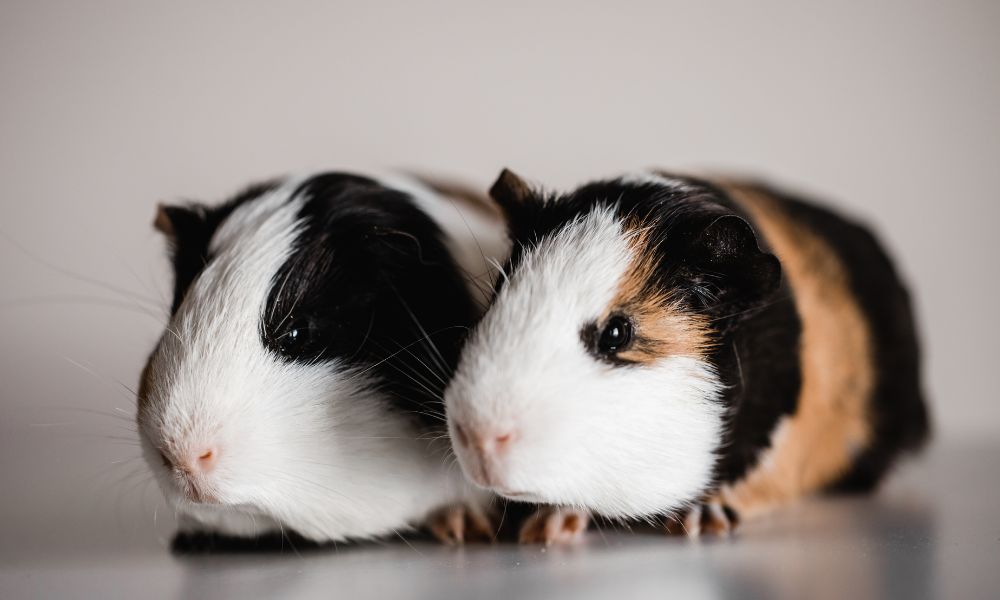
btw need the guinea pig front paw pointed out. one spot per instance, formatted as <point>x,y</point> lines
<point>460,523</point>
<point>554,525</point>
<point>711,517</point>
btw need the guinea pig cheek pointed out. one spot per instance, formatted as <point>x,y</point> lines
<point>624,441</point>
<point>658,442</point>
<point>547,461</point>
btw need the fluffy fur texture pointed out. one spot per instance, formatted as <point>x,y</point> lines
<point>297,385</point>
<point>584,432</point>
<point>646,355</point>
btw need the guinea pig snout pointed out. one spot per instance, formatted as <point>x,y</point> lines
<point>485,440</point>
<point>191,467</point>
<point>485,449</point>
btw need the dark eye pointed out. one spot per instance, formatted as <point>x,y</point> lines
<point>616,335</point>
<point>295,339</point>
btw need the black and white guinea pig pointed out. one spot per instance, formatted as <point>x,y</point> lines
<point>664,346</point>
<point>314,324</point>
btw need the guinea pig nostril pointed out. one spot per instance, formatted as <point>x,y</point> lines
<point>502,441</point>
<point>166,461</point>
<point>206,459</point>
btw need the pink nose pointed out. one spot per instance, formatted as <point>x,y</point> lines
<point>485,441</point>
<point>205,460</point>
<point>193,462</point>
<point>191,469</point>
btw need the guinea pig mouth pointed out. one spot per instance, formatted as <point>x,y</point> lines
<point>200,496</point>
<point>517,495</point>
<point>194,491</point>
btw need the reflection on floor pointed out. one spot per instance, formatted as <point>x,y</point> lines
<point>932,532</point>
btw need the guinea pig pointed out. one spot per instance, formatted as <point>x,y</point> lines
<point>686,352</point>
<point>297,386</point>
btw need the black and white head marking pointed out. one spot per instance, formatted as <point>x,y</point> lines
<point>591,381</point>
<point>314,324</point>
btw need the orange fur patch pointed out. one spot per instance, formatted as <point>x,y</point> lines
<point>818,443</point>
<point>662,328</point>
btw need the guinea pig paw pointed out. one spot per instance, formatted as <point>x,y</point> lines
<point>457,524</point>
<point>711,517</point>
<point>554,525</point>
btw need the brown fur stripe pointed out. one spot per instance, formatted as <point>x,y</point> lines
<point>817,444</point>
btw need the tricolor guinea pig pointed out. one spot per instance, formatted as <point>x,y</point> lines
<point>668,347</point>
<point>314,324</point>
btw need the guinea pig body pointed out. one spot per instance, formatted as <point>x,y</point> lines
<point>314,324</point>
<point>666,346</point>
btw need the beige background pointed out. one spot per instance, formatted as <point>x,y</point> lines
<point>890,109</point>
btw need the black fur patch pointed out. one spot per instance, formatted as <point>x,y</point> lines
<point>372,284</point>
<point>205,542</point>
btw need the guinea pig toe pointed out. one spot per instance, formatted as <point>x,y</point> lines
<point>718,519</point>
<point>687,523</point>
<point>711,517</point>
<point>555,525</point>
<point>460,523</point>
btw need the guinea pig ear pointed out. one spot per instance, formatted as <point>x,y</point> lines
<point>728,265</point>
<point>511,192</point>
<point>178,222</point>
<point>188,231</point>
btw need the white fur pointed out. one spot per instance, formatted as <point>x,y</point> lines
<point>621,441</point>
<point>313,448</point>
<point>654,178</point>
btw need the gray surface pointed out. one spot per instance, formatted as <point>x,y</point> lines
<point>933,532</point>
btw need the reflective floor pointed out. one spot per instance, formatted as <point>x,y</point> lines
<point>933,532</point>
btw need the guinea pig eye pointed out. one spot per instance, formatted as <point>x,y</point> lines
<point>296,338</point>
<point>616,335</point>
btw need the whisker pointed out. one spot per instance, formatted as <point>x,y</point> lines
<point>499,269</point>
<point>436,355</point>
<point>503,515</point>
<point>782,298</point>
<point>93,411</point>
<point>68,273</point>
<point>80,299</point>
<point>99,377</point>
<point>433,387</point>
<point>405,541</point>
<point>403,349</point>
<point>430,371</point>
